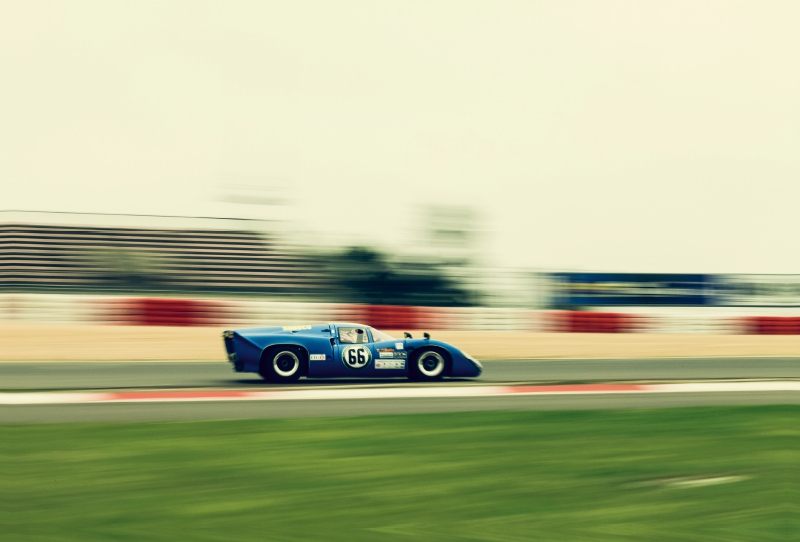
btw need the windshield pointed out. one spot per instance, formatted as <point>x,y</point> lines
<point>380,336</point>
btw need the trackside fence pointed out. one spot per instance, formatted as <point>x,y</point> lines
<point>164,311</point>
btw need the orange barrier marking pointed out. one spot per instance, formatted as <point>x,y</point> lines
<point>144,395</point>
<point>577,388</point>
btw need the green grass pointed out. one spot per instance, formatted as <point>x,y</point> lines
<point>500,476</point>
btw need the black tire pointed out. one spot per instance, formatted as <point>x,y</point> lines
<point>429,364</point>
<point>283,364</point>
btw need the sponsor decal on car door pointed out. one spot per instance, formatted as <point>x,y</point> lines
<point>390,358</point>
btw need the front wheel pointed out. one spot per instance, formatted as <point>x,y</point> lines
<point>428,365</point>
<point>282,365</point>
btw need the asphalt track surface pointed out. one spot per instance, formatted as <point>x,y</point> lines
<point>45,376</point>
<point>171,375</point>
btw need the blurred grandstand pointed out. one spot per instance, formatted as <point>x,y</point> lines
<point>182,255</point>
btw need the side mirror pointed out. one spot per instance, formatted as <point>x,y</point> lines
<point>407,335</point>
<point>427,335</point>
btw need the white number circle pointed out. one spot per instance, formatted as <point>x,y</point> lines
<point>356,356</point>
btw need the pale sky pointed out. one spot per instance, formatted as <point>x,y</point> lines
<point>592,135</point>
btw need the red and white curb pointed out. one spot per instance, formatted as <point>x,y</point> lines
<point>389,393</point>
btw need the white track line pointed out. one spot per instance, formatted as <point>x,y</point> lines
<point>389,393</point>
<point>694,387</point>
<point>47,398</point>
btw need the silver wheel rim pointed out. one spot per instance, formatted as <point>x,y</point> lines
<point>281,367</point>
<point>430,364</point>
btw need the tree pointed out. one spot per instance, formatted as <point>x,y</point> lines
<point>365,275</point>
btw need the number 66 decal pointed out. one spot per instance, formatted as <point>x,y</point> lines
<point>356,357</point>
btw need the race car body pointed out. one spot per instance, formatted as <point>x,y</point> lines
<point>284,354</point>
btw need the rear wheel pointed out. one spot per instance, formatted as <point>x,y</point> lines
<point>428,365</point>
<point>282,364</point>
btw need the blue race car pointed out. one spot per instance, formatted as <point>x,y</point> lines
<point>284,354</point>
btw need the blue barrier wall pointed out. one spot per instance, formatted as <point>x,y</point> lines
<point>571,290</point>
